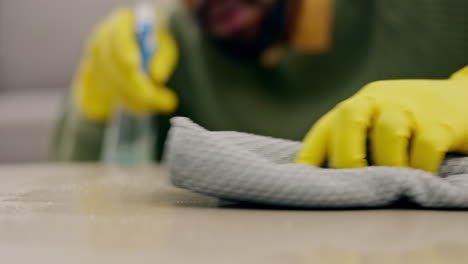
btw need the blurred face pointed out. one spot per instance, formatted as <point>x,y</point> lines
<point>243,28</point>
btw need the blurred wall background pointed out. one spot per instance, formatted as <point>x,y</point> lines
<point>40,45</point>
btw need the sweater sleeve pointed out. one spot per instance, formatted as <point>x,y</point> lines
<point>77,138</point>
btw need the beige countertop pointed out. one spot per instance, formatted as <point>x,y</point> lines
<point>90,214</point>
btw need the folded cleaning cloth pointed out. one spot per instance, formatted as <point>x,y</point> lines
<point>257,169</point>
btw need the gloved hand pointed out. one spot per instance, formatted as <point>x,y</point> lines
<point>408,123</point>
<point>110,71</point>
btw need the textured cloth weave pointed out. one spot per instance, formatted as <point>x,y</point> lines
<point>249,168</point>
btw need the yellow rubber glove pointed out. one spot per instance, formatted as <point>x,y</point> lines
<point>110,71</point>
<point>410,123</point>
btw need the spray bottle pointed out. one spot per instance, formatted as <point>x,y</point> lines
<point>129,138</point>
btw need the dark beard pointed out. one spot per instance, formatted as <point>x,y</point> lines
<point>271,31</point>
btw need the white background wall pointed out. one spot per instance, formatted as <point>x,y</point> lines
<point>41,40</point>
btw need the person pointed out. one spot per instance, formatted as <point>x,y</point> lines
<point>379,82</point>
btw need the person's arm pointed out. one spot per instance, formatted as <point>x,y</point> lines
<point>77,138</point>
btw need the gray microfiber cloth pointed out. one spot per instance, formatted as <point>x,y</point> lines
<point>257,169</point>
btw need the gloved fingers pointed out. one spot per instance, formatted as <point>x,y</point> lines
<point>90,93</point>
<point>108,74</point>
<point>114,58</point>
<point>164,61</point>
<point>94,102</point>
<point>102,62</point>
<point>125,48</point>
<point>166,100</point>
<point>120,84</point>
<point>116,88</point>
<point>316,143</point>
<point>155,98</point>
<point>429,146</point>
<point>111,70</point>
<point>350,127</point>
<point>390,135</point>
<point>135,85</point>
